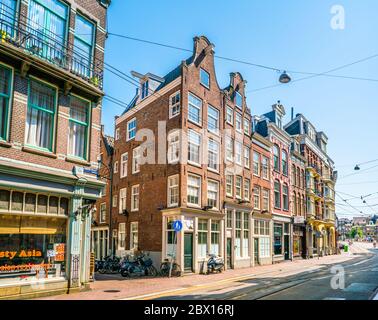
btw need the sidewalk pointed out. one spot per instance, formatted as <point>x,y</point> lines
<point>115,287</point>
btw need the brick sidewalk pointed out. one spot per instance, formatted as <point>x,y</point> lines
<point>119,287</point>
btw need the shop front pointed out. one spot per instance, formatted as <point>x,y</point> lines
<point>262,239</point>
<point>202,234</point>
<point>299,237</point>
<point>44,235</point>
<point>282,239</point>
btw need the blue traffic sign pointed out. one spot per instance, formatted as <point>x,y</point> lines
<point>177,225</point>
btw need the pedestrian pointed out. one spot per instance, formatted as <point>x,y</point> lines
<point>375,244</point>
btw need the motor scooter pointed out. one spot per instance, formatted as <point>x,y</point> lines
<point>215,263</point>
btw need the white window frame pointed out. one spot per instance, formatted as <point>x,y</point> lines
<point>115,168</point>
<point>216,130</point>
<point>135,205</point>
<point>230,114</point>
<point>247,157</point>
<point>238,178</point>
<point>173,186</point>
<point>241,97</point>
<point>230,176</point>
<point>199,178</point>
<point>216,152</point>
<point>132,233</point>
<point>115,201</point>
<point>229,149</point>
<point>247,189</point>
<point>256,165</point>
<point>263,171</point>
<point>216,183</point>
<point>121,235</point>
<point>238,116</point>
<point>174,147</point>
<point>208,74</point>
<point>265,198</point>
<point>172,105</point>
<point>256,195</point>
<point>238,152</point>
<point>132,130</point>
<point>136,158</point>
<point>117,134</point>
<point>122,200</point>
<point>196,107</point>
<point>102,206</point>
<point>124,164</point>
<point>247,127</point>
<point>198,146</point>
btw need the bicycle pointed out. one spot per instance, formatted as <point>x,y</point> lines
<point>110,265</point>
<point>166,265</point>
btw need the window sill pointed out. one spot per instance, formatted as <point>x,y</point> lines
<point>195,164</point>
<point>77,161</point>
<point>173,116</point>
<point>198,124</point>
<point>39,152</point>
<point>5,144</point>
<point>213,170</point>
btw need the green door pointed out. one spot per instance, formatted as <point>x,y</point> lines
<point>188,252</point>
<point>229,253</point>
<point>256,249</point>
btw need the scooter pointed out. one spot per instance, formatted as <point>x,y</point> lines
<point>132,268</point>
<point>215,263</point>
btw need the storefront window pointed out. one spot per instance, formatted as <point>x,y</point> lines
<point>246,235</point>
<point>238,230</point>
<point>202,238</point>
<point>277,239</point>
<point>215,236</point>
<point>170,245</point>
<point>31,248</point>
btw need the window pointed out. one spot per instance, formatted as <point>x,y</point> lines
<point>246,235</point>
<point>277,239</point>
<point>205,78</point>
<point>238,122</point>
<point>264,243</point>
<point>294,175</point>
<point>83,46</point>
<point>124,162</point>
<point>238,152</point>
<point>230,115</point>
<point>174,147</point>
<point>171,245</point>
<point>8,16</point>
<point>122,200</point>
<point>256,197</point>
<point>115,168</point>
<point>78,127</point>
<point>277,195</point>
<point>276,158</point>
<point>135,198</point>
<point>131,129</point>
<point>133,235</point>
<point>229,185</point>
<point>122,236</point>
<point>284,163</point>
<point>213,154</point>
<point>247,186</point>
<point>229,149</point>
<point>212,194</point>
<point>5,95</point>
<point>285,197</point>
<point>247,129</point>
<point>202,238</point>
<point>238,100</point>
<point>102,212</point>
<point>40,123</point>
<point>115,200</point>
<point>238,229</point>
<point>229,219</point>
<point>265,200</point>
<point>136,160</point>
<point>174,105</point>
<point>238,187</point>
<point>194,190</point>
<point>47,22</point>
<point>144,90</point>
<point>265,167</point>
<point>256,164</point>
<point>212,119</point>
<point>117,134</point>
<point>173,191</point>
<point>215,237</point>
<point>247,160</point>
<point>195,109</point>
<point>194,147</point>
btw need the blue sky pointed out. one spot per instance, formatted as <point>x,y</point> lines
<point>288,35</point>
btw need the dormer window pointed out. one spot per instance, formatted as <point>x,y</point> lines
<point>144,91</point>
<point>238,100</point>
<point>205,78</point>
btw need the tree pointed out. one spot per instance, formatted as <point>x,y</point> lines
<point>356,231</point>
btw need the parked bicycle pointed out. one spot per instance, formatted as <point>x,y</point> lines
<point>166,266</point>
<point>140,265</point>
<point>110,265</point>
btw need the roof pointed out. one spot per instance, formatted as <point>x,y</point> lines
<point>109,144</point>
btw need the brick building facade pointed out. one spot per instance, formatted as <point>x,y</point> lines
<point>50,116</point>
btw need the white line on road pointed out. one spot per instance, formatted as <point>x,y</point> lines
<point>332,298</point>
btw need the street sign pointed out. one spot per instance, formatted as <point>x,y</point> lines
<point>177,225</point>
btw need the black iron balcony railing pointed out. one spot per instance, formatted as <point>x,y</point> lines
<point>51,48</point>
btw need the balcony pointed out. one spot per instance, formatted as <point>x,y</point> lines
<point>48,49</point>
<point>329,178</point>
<point>314,169</point>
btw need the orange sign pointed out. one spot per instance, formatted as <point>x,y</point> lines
<point>60,249</point>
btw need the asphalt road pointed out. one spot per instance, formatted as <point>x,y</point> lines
<point>352,280</point>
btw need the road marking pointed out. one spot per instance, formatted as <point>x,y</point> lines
<point>334,298</point>
<point>376,297</point>
<point>361,262</point>
<point>360,287</point>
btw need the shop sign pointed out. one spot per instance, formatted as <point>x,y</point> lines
<point>20,254</point>
<point>299,220</point>
<point>60,249</point>
<point>188,224</point>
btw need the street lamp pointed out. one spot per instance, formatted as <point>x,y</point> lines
<point>357,167</point>
<point>284,78</point>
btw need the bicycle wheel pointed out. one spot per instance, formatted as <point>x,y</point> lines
<point>164,269</point>
<point>176,270</point>
<point>152,271</point>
